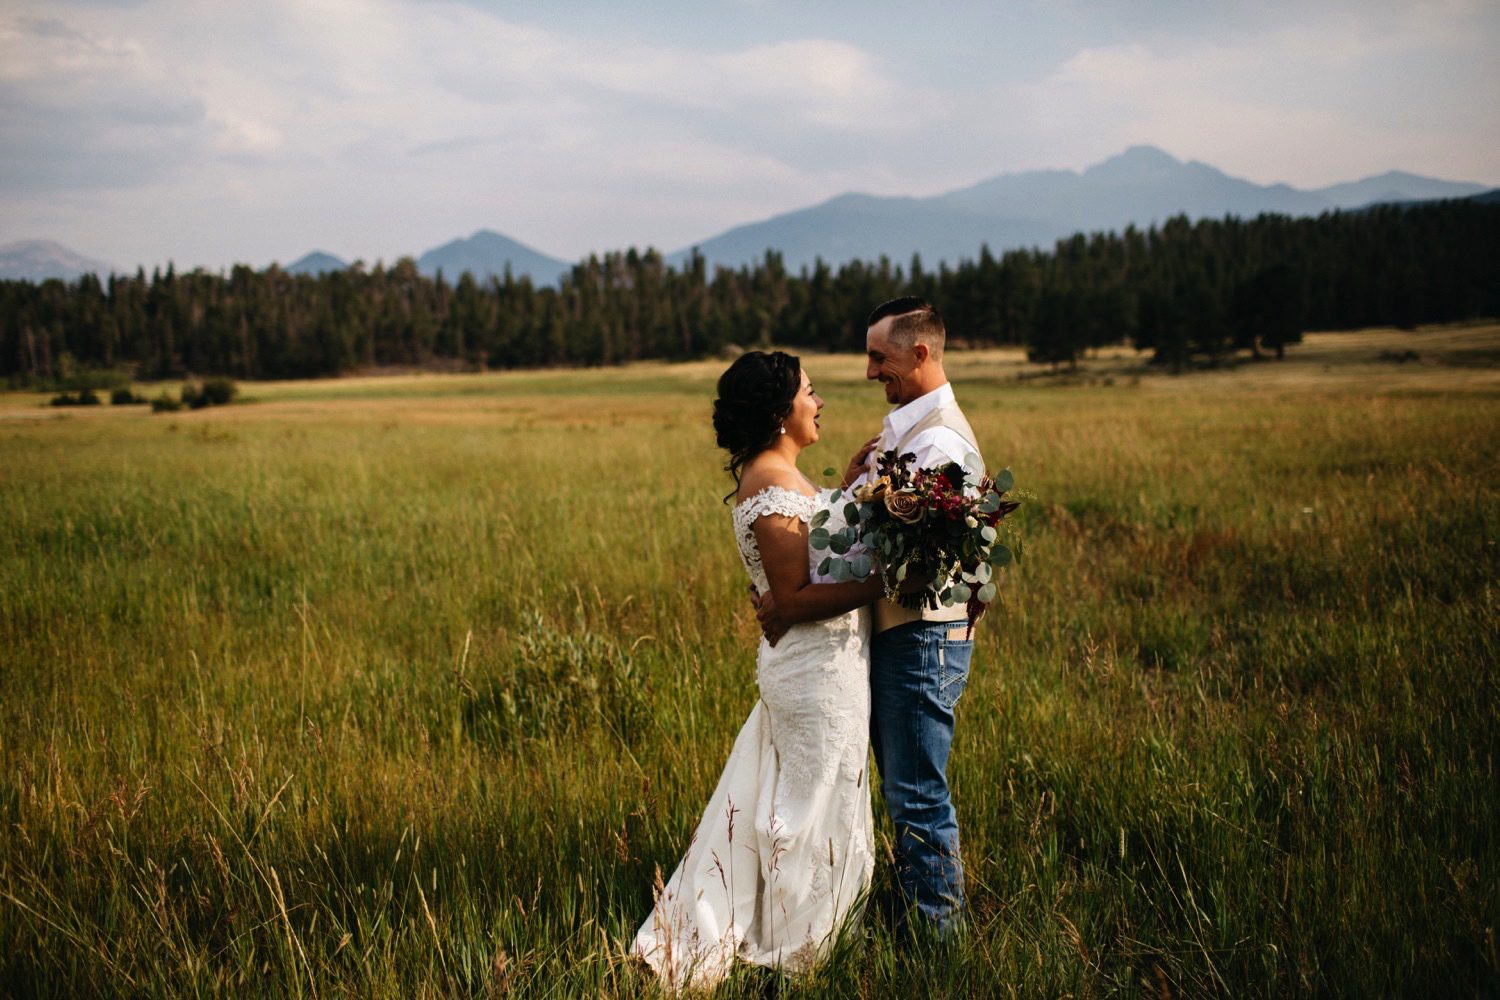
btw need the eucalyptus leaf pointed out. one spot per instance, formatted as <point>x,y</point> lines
<point>819,519</point>
<point>818,538</point>
<point>1004,480</point>
<point>861,566</point>
<point>840,571</point>
<point>901,572</point>
<point>824,565</point>
<point>984,572</point>
<point>851,513</point>
<point>990,503</point>
<point>830,471</point>
<point>839,543</point>
<point>987,593</point>
<point>1000,556</point>
<point>987,533</point>
<point>960,593</point>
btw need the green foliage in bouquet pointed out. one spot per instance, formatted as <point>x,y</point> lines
<point>934,533</point>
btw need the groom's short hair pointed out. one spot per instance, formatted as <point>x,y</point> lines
<point>915,319</point>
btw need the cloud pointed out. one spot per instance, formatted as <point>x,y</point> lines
<point>437,112</point>
<point>243,131</point>
<point>1191,23</point>
<point>79,110</point>
<point>489,61</point>
<point>1292,102</point>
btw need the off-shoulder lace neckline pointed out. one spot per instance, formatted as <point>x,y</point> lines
<point>784,489</point>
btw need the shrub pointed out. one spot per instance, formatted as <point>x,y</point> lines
<point>85,397</point>
<point>124,397</point>
<point>218,391</point>
<point>212,392</point>
<point>559,681</point>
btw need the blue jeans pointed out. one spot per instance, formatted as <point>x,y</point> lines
<point>916,676</point>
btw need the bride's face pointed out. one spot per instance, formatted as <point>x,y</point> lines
<point>802,423</point>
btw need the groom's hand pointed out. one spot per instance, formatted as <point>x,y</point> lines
<point>771,625</point>
<point>859,464</point>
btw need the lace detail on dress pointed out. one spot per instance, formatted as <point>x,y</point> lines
<point>771,500</point>
<point>819,737</point>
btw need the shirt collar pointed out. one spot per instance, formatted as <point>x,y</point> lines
<point>904,418</point>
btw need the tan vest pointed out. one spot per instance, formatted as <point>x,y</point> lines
<point>889,614</point>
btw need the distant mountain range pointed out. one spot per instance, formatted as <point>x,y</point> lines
<point>486,254</point>
<point>1141,186</point>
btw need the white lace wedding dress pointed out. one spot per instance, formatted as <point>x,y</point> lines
<point>783,852</point>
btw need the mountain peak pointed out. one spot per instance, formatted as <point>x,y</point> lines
<point>1135,165</point>
<point>38,260</point>
<point>488,254</point>
<point>315,263</point>
<point>1146,153</point>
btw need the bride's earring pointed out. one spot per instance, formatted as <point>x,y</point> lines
<point>782,429</point>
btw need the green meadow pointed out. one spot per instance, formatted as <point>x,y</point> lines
<point>406,686</point>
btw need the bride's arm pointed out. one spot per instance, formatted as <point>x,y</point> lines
<point>782,542</point>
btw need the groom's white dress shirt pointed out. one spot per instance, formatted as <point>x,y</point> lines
<point>932,445</point>
<point>934,429</point>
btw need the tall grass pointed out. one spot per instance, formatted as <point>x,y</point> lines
<point>408,688</point>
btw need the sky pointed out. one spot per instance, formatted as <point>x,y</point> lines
<point>147,131</point>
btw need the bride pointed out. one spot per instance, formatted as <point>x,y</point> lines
<point>783,852</point>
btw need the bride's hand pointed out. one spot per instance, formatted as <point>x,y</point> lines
<point>857,464</point>
<point>771,624</point>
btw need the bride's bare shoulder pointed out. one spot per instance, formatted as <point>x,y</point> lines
<point>764,472</point>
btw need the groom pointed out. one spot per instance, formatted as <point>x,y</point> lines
<point>919,660</point>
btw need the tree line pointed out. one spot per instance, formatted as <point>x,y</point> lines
<point>1188,292</point>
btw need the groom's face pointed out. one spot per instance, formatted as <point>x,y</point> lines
<point>890,364</point>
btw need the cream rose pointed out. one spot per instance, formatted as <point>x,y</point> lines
<point>904,507</point>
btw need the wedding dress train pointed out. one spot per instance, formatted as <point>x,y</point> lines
<point>783,852</point>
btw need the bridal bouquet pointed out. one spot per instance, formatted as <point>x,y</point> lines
<point>937,526</point>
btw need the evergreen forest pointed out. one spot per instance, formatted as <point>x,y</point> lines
<point>1188,293</point>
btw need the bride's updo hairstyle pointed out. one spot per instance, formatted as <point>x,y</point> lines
<point>755,396</point>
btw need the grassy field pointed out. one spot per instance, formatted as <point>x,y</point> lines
<point>405,686</point>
